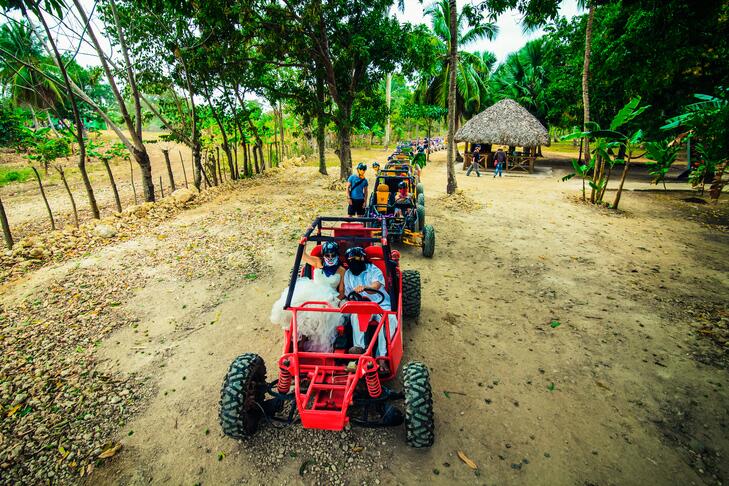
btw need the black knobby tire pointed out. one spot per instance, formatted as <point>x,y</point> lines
<point>421,217</point>
<point>410,293</point>
<point>428,241</point>
<point>421,199</point>
<point>242,395</point>
<point>419,423</point>
<point>420,189</point>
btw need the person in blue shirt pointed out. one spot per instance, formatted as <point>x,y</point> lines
<point>359,277</point>
<point>357,191</point>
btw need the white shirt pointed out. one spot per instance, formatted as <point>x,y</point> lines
<point>370,274</point>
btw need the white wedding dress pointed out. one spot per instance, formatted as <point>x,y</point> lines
<point>319,327</point>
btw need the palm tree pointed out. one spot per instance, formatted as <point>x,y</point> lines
<point>24,84</point>
<point>522,78</point>
<point>473,68</point>
<point>451,184</point>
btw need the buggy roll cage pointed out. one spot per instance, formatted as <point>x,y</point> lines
<point>375,225</point>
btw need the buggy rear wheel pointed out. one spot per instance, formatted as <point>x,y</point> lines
<point>419,423</point>
<point>242,395</point>
<point>421,199</point>
<point>421,217</point>
<point>428,241</point>
<point>410,293</point>
<point>420,189</point>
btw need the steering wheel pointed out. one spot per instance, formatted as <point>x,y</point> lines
<point>354,296</point>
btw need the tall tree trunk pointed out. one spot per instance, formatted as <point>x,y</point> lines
<point>246,160</point>
<point>261,158</point>
<point>142,159</point>
<point>45,199</point>
<point>184,172</point>
<point>345,151</point>
<point>388,101</point>
<point>320,122</point>
<point>235,159</point>
<point>585,89</point>
<point>70,194</point>
<point>283,133</point>
<point>166,154</point>
<point>117,201</point>
<point>452,184</point>
<point>7,235</point>
<point>217,164</point>
<point>255,159</point>
<point>281,129</point>
<point>197,168</point>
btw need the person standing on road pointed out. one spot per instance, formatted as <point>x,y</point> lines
<point>499,162</point>
<point>474,163</point>
<point>357,191</point>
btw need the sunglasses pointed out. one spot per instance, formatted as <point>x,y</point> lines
<point>329,255</point>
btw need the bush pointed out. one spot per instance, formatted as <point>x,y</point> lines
<point>8,175</point>
<point>12,126</point>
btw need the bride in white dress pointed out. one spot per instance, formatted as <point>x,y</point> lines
<point>327,284</point>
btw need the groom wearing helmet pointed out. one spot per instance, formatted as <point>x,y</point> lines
<point>357,191</point>
<point>360,277</point>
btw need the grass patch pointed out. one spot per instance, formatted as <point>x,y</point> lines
<point>16,174</point>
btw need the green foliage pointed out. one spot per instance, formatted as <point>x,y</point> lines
<point>9,175</point>
<point>523,78</point>
<point>663,156</point>
<point>472,92</point>
<point>47,149</point>
<point>707,125</point>
<point>608,148</point>
<point>13,132</point>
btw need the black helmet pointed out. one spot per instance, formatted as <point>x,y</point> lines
<point>361,166</point>
<point>402,185</point>
<point>330,248</point>
<point>356,253</point>
<point>375,164</point>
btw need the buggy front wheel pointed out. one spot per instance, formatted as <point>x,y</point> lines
<point>428,241</point>
<point>419,422</point>
<point>410,293</point>
<point>421,217</point>
<point>242,395</point>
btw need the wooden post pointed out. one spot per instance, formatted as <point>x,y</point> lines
<point>45,199</point>
<point>8,236</point>
<point>70,194</point>
<point>161,187</point>
<point>184,172</point>
<point>166,154</point>
<point>117,201</point>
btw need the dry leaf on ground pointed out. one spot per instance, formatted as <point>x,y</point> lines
<point>466,460</point>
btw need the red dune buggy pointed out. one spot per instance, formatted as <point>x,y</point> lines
<point>330,390</point>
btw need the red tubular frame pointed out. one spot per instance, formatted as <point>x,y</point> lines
<point>329,386</point>
<point>323,404</point>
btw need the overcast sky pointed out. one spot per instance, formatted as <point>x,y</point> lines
<point>510,37</point>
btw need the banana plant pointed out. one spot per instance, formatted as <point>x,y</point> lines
<point>707,122</point>
<point>663,156</point>
<point>605,143</point>
<point>582,170</point>
<point>632,145</point>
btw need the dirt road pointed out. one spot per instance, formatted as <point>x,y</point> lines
<point>562,339</point>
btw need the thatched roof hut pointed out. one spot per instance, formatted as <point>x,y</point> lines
<point>505,123</point>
